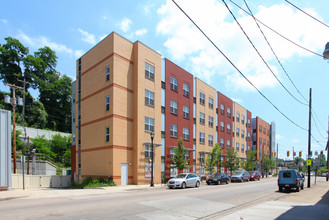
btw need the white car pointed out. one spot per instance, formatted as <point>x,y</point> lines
<point>184,180</point>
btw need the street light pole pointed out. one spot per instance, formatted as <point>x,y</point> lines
<point>309,141</point>
<point>152,158</point>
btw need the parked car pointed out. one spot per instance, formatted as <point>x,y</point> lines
<point>289,179</point>
<point>218,178</point>
<point>254,175</point>
<point>184,180</point>
<point>240,176</point>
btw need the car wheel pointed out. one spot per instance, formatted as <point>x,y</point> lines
<point>280,188</point>
<point>171,187</point>
<point>297,189</point>
<point>197,184</point>
<point>258,178</point>
<point>208,183</point>
<point>226,181</point>
<point>183,185</point>
<point>218,182</point>
<point>302,187</point>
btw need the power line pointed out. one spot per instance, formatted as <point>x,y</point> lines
<point>307,14</point>
<point>262,56</point>
<point>238,69</point>
<point>284,70</point>
<point>318,119</point>
<point>278,32</point>
<point>318,128</point>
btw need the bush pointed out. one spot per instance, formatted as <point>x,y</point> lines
<point>93,182</point>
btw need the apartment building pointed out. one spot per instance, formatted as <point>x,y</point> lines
<point>118,106</point>
<point>178,114</point>
<point>225,124</point>
<point>249,130</point>
<point>240,117</point>
<point>261,137</point>
<point>205,114</point>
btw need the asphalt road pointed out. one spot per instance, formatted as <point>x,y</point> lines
<point>206,202</point>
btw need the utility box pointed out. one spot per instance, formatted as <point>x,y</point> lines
<point>5,149</point>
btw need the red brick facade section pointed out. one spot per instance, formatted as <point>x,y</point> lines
<point>264,134</point>
<point>183,77</point>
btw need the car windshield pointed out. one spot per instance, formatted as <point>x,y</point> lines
<point>252,173</point>
<point>217,175</point>
<point>237,173</point>
<point>181,176</point>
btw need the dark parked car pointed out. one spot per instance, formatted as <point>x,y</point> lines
<point>240,176</point>
<point>218,178</point>
<point>289,179</point>
<point>254,175</point>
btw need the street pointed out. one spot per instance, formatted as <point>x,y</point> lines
<point>206,202</point>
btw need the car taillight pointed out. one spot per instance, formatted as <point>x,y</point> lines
<point>296,181</point>
<point>278,180</point>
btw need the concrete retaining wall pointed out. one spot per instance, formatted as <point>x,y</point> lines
<point>40,181</point>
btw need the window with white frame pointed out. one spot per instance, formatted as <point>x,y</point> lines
<point>228,143</point>
<point>237,132</point>
<point>242,148</point>
<point>211,121</point>
<point>202,119</point>
<point>242,119</point>
<point>202,138</point>
<point>186,90</point>
<point>172,153</point>
<point>211,103</point>
<point>173,130</point>
<point>222,142</point>
<point>222,126</point>
<point>149,71</point>
<point>107,71</point>
<point>186,112</point>
<point>149,124</point>
<point>148,150</point>
<point>202,98</point>
<point>237,146</point>
<point>149,97</point>
<point>187,155</point>
<point>242,133</point>
<point>107,103</point>
<point>237,117</point>
<point>202,171</point>
<point>173,172</point>
<point>173,84</point>
<point>229,112</point>
<point>186,134</point>
<point>249,123</point>
<point>222,109</point>
<point>202,157</point>
<point>210,140</point>
<point>107,134</point>
<point>173,107</point>
<point>249,137</point>
<point>228,128</point>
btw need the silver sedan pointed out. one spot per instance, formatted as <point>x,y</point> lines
<point>184,180</point>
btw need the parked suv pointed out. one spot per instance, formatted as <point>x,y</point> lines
<point>289,179</point>
<point>183,180</point>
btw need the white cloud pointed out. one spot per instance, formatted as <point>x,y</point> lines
<point>89,38</point>
<point>5,21</point>
<point>185,42</point>
<point>125,24</point>
<point>41,41</point>
<point>148,8</point>
<point>102,37</point>
<point>237,100</point>
<point>141,32</point>
<point>295,141</point>
<point>279,137</point>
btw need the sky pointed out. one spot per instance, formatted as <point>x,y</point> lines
<point>71,28</point>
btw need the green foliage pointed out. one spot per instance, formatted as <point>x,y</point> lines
<point>42,146</point>
<point>213,159</point>
<point>19,142</point>
<point>232,162</point>
<point>59,145</point>
<point>250,163</point>
<point>268,164</point>
<point>37,116</point>
<point>178,159</point>
<point>93,182</point>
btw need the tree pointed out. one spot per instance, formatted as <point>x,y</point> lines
<point>213,159</point>
<point>59,145</point>
<point>232,162</point>
<point>42,146</point>
<point>268,164</point>
<point>178,159</point>
<point>37,116</point>
<point>250,163</point>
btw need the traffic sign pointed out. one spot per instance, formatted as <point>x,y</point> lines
<point>308,162</point>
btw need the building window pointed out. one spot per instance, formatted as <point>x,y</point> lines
<point>202,98</point>
<point>148,150</point>
<point>222,142</point>
<point>173,107</point>
<point>186,134</point>
<point>249,123</point>
<point>149,97</point>
<point>201,138</point>
<point>222,109</point>
<point>228,142</point>
<point>211,103</point>
<point>242,133</point>
<point>249,137</point>
<point>186,112</point>
<point>149,124</point>
<point>202,119</point>
<point>211,121</point>
<point>172,153</point>
<point>210,140</point>
<point>222,126</point>
<point>228,128</point>
<point>107,103</point>
<point>173,84</point>
<point>107,134</point>
<point>107,73</point>
<point>237,146</point>
<point>242,148</point>
<point>260,128</point>
<point>149,71</point>
<point>186,90</point>
<point>237,132</point>
<point>242,119</point>
<point>201,157</point>
<point>237,117</point>
<point>228,112</point>
<point>173,130</point>
<point>264,130</point>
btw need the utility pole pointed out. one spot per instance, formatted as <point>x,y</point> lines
<point>293,157</point>
<point>14,87</point>
<point>327,148</point>
<point>277,155</point>
<point>309,140</point>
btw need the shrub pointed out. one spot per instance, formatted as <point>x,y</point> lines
<point>93,182</point>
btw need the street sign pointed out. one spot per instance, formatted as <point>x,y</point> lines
<point>308,162</point>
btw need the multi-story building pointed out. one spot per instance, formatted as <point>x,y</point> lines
<point>118,106</point>
<point>249,130</point>
<point>225,124</point>
<point>205,114</point>
<point>240,117</point>
<point>261,138</point>
<point>178,113</point>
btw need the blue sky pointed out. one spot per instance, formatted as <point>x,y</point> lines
<point>73,27</point>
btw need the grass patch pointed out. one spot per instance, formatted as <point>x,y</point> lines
<point>93,182</point>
